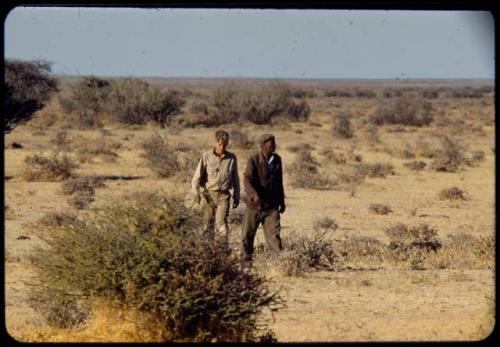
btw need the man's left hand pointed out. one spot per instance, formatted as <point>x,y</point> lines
<point>236,203</point>
<point>282,208</point>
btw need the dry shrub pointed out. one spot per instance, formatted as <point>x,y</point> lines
<point>416,165</point>
<point>86,101</point>
<point>404,110</point>
<point>360,251</point>
<point>342,125</point>
<point>426,149</point>
<point>450,157</point>
<point>453,193</point>
<point>392,93</point>
<point>187,160</point>
<point>304,172</point>
<point>82,190</point>
<point>306,252</point>
<point>51,166</point>
<point>147,254</point>
<point>375,169</point>
<point>406,243</point>
<point>465,92</point>
<point>159,156</point>
<point>240,140</point>
<point>236,216</point>
<point>325,223</point>
<point>61,141</point>
<point>476,157</point>
<point>298,147</point>
<point>58,219</point>
<point>134,102</point>
<point>258,104</point>
<point>372,134</point>
<point>102,148</point>
<point>468,252</point>
<point>337,157</point>
<point>380,209</point>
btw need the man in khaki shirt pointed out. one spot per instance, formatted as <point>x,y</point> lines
<point>217,173</point>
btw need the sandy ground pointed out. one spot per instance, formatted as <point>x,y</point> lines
<point>384,305</point>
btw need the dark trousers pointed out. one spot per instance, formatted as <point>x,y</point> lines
<point>271,222</point>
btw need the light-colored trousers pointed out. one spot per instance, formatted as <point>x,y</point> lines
<point>215,213</point>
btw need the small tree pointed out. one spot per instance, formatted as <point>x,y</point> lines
<point>28,87</point>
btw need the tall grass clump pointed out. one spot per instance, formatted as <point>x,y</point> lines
<point>146,253</point>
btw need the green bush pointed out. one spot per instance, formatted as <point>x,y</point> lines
<point>27,88</point>
<point>147,253</point>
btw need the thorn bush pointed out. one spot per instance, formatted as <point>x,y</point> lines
<point>147,253</point>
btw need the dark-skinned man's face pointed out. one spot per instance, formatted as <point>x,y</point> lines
<point>268,148</point>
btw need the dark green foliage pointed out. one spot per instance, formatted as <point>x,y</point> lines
<point>27,88</point>
<point>342,125</point>
<point>147,253</point>
<point>403,110</point>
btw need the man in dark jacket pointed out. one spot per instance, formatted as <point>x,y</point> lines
<point>265,199</point>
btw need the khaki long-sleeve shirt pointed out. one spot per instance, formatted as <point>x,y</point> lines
<point>216,173</point>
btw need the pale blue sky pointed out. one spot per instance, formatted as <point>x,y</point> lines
<point>255,43</point>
